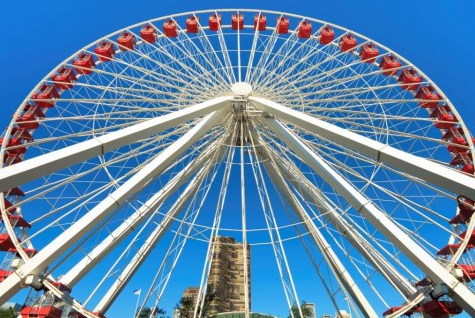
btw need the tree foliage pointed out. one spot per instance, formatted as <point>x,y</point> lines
<point>306,311</point>
<point>148,312</point>
<point>8,313</point>
<point>186,306</point>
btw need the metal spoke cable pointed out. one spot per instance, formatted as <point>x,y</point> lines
<point>279,251</point>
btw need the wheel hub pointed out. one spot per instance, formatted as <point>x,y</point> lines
<point>241,89</point>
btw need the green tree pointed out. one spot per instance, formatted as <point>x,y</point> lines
<point>8,313</point>
<point>186,306</point>
<point>148,312</point>
<point>306,311</point>
<point>208,299</point>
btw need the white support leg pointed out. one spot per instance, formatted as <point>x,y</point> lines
<point>113,239</point>
<point>332,259</point>
<point>293,175</point>
<point>40,166</point>
<point>13,283</point>
<point>140,256</point>
<point>422,168</point>
<point>426,262</point>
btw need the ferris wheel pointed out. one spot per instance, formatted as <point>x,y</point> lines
<point>290,134</point>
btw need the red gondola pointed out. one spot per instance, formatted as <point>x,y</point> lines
<point>260,22</point>
<point>64,78</point>
<point>445,120</point>
<point>192,24</point>
<point>282,25</point>
<point>389,65</point>
<point>441,308</point>
<point>12,159</point>
<point>237,21</point>
<point>305,30</point>
<point>21,133</point>
<point>29,119</point>
<point>368,53</point>
<point>214,22</point>
<point>126,41</point>
<point>9,208</point>
<point>326,35</point>
<point>429,94</point>
<point>45,97</point>
<point>466,210</point>
<point>468,168</point>
<point>14,142</point>
<point>409,80</point>
<point>450,249</point>
<point>347,43</point>
<point>169,29</point>
<point>16,190</point>
<point>6,242</point>
<point>17,221</point>
<point>84,64</point>
<point>105,51</point>
<point>148,33</point>
<point>468,271</point>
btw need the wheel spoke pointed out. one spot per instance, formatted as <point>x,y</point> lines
<point>142,159</point>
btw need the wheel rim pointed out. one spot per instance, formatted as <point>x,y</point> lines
<point>173,73</point>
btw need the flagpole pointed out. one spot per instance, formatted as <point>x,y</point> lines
<point>137,304</point>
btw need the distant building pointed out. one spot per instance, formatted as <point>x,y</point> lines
<point>15,306</point>
<point>342,314</point>
<point>311,307</point>
<point>326,316</point>
<point>176,313</point>
<point>226,277</point>
<point>192,292</point>
<point>237,314</point>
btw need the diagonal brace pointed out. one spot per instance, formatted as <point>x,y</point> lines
<point>425,261</point>
<point>422,168</point>
<point>37,264</point>
<point>40,166</point>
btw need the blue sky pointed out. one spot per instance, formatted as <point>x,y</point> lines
<point>436,36</point>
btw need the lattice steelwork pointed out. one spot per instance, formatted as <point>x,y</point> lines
<point>287,133</point>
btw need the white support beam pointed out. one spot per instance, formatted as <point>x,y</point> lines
<point>140,256</point>
<point>312,194</point>
<point>37,264</point>
<point>133,221</point>
<point>422,168</point>
<point>332,259</point>
<point>425,261</point>
<point>295,177</point>
<point>40,166</point>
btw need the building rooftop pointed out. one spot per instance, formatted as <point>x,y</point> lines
<point>240,314</point>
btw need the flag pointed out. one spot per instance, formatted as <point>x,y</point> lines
<point>138,291</point>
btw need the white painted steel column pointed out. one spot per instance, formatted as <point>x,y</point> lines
<point>426,262</point>
<point>294,176</point>
<point>140,256</point>
<point>421,168</point>
<point>332,259</point>
<point>13,283</point>
<point>133,221</point>
<point>40,166</point>
<point>244,221</point>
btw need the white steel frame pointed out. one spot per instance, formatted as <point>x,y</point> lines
<point>413,251</point>
<point>46,256</point>
<point>201,67</point>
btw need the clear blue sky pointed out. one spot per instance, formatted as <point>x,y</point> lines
<point>437,36</point>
